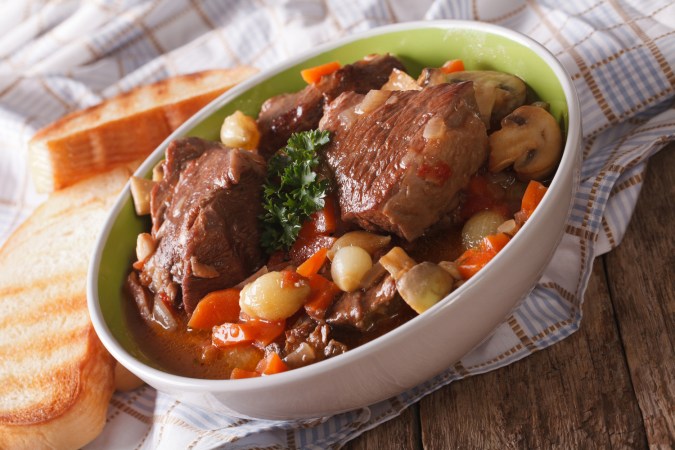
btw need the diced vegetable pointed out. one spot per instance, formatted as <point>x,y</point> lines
<point>349,266</point>
<point>252,331</point>
<point>401,81</point>
<point>271,364</point>
<point>216,308</point>
<point>424,285</point>
<point>270,298</point>
<point>240,131</point>
<point>145,246</point>
<point>238,374</point>
<point>481,224</point>
<point>313,264</point>
<point>314,74</point>
<point>474,259</point>
<point>322,295</point>
<point>368,241</point>
<point>397,262</point>
<point>533,194</point>
<point>266,331</point>
<point>140,192</point>
<point>453,65</point>
<point>371,101</point>
<point>164,315</point>
<point>201,270</point>
<point>304,354</point>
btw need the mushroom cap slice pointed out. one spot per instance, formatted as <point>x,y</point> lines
<point>497,93</point>
<point>530,139</point>
<point>424,285</point>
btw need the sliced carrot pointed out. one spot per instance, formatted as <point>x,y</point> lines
<point>271,364</point>
<point>319,223</point>
<point>474,259</point>
<point>259,332</point>
<point>321,296</point>
<point>453,65</point>
<point>216,308</point>
<point>313,264</point>
<point>314,74</point>
<point>238,374</point>
<point>233,334</point>
<point>325,220</point>
<point>532,197</point>
<point>495,242</point>
<point>471,261</point>
<point>265,331</point>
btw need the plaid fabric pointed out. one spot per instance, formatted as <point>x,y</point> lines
<point>58,56</point>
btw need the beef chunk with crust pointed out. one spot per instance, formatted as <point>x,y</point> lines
<point>286,114</point>
<point>205,221</point>
<point>399,158</point>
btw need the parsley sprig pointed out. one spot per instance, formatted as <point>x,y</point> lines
<point>292,190</point>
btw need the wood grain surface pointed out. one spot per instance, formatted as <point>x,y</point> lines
<point>609,385</point>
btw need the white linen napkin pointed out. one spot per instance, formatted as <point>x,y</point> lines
<point>58,56</point>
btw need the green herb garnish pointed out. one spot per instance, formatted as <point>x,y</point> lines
<point>292,189</point>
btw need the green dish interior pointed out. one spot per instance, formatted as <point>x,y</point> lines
<point>428,47</point>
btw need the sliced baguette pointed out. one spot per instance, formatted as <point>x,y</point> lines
<point>56,378</point>
<point>122,129</point>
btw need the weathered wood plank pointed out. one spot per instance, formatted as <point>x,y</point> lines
<point>576,394</point>
<point>401,433</point>
<point>641,274</point>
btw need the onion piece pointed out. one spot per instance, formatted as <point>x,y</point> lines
<point>163,315</point>
<point>304,354</point>
<point>373,100</point>
<point>140,192</point>
<point>368,241</point>
<point>434,129</point>
<point>401,81</point>
<point>350,264</point>
<point>481,224</point>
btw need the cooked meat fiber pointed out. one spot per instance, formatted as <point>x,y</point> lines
<point>205,220</point>
<point>286,114</point>
<point>399,159</point>
<point>362,308</point>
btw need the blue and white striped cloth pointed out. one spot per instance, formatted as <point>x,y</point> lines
<point>58,56</point>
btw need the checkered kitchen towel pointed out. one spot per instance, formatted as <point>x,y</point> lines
<point>61,55</point>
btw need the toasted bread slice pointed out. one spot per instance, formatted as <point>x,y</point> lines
<point>122,129</point>
<point>56,378</point>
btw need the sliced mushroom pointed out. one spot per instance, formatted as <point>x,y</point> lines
<point>530,139</point>
<point>497,93</point>
<point>424,285</point>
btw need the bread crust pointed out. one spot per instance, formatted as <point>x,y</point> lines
<point>56,378</point>
<point>122,129</point>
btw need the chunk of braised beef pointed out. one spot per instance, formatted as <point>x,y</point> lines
<point>309,341</point>
<point>205,221</point>
<point>361,309</point>
<point>400,158</point>
<point>285,114</point>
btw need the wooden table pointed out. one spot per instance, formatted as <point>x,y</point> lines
<point>609,385</point>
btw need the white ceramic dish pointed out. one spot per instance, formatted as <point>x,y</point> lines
<point>417,350</point>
